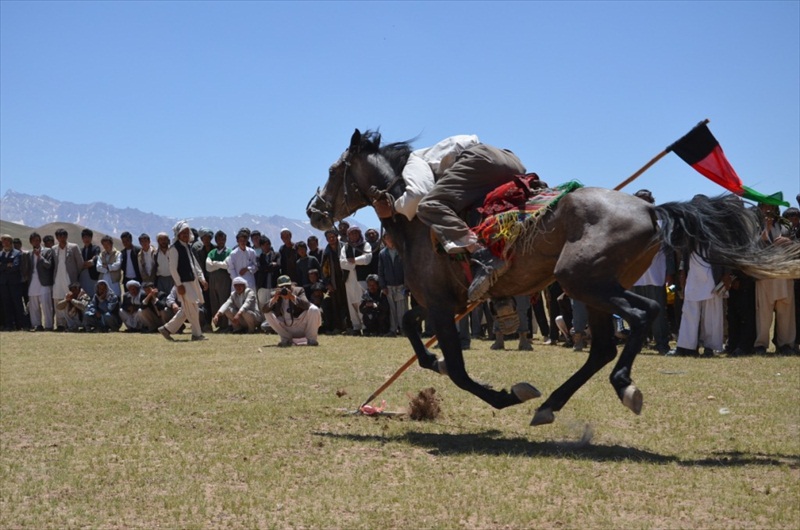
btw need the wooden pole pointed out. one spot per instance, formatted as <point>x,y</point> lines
<point>644,168</point>
<point>647,166</point>
<point>413,359</point>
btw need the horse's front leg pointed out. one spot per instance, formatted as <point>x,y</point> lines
<point>450,343</point>
<point>412,320</point>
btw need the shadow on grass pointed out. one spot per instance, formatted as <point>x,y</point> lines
<point>491,442</point>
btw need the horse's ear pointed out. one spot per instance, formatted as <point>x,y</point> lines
<point>355,141</point>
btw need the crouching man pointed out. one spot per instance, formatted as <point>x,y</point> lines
<point>73,306</point>
<point>291,315</point>
<point>241,308</point>
<point>137,308</point>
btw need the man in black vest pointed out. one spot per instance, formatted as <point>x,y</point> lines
<point>130,259</point>
<point>11,286</point>
<point>189,282</point>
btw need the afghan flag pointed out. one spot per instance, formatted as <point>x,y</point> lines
<point>700,149</point>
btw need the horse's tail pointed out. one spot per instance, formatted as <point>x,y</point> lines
<point>724,232</point>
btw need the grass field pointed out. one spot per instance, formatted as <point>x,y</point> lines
<point>129,431</point>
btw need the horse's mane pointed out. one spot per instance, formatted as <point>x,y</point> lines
<point>395,153</point>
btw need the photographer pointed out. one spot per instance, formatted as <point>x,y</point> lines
<point>291,315</point>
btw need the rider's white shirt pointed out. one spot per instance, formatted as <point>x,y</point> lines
<point>423,164</point>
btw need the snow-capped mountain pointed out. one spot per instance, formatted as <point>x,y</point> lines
<point>38,210</point>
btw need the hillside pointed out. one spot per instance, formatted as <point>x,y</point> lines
<point>23,232</point>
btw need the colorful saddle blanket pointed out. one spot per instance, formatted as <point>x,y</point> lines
<point>513,208</point>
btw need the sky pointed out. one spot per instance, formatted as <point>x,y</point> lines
<point>210,108</point>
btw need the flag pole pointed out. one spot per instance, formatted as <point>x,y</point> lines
<point>647,166</point>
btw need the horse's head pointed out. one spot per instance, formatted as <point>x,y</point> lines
<point>356,178</point>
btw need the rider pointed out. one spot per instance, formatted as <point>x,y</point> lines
<point>447,178</point>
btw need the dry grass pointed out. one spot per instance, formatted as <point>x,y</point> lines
<point>129,431</point>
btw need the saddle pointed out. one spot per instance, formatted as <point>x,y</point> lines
<point>512,210</point>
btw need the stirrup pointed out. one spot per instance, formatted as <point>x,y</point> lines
<point>489,268</point>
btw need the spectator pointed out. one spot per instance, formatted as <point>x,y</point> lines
<point>130,259</point>
<point>73,306</point>
<point>109,265</point>
<point>147,259</point>
<point>374,239</point>
<point>317,297</point>
<point>741,315</point>
<point>540,317</point>
<point>774,296</point>
<point>40,287</point>
<point>189,283</point>
<point>289,256</point>
<point>25,270</point>
<point>68,264</point>
<point>793,216</point>
<point>242,260</point>
<point>134,311</point>
<point>374,308</point>
<point>89,252</point>
<point>313,248</point>
<point>333,278</point>
<point>154,306</point>
<point>102,313</point>
<point>702,308</point>
<point>201,248</point>
<point>11,285</point>
<point>355,257</point>
<point>219,279</point>
<point>255,238</point>
<point>522,304</point>
<point>269,265</point>
<point>291,315</point>
<point>653,284</point>
<point>164,281</point>
<point>343,227</point>
<point>392,282</point>
<point>304,262</point>
<point>241,309</point>
<point>313,282</point>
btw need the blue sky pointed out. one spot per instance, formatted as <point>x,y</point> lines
<point>189,108</point>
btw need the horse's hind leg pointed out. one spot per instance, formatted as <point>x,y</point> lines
<point>450,343</point>
<point>602,351</point>
<point>602,302</point>
<point>638,312</point>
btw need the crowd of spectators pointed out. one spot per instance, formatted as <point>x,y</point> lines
<point>356,286</point>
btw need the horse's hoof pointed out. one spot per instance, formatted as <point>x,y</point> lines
<point>632,398</point>
<point>543,416</point>
<point>525,391</point>
<point>441,366</point>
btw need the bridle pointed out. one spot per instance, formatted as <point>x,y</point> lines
<point>349,188</point>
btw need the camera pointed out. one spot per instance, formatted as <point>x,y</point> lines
<point>284,291</point>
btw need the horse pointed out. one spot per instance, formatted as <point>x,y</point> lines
<point>595,242</point>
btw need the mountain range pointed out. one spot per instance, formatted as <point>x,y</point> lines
<point>38,210</point>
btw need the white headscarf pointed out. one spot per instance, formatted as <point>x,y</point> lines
<point>179,227</point>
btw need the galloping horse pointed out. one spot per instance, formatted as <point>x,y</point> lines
<point>596,243</point>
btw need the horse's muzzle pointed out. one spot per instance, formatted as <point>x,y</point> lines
<point>319,219</point>
<point>318,212</point>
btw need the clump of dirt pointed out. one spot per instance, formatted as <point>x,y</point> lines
<point>425,405</point>
<point>341,392</point>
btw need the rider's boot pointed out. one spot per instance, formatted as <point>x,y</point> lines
<point>488,268</point>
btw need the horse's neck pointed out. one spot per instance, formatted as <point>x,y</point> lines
<point>407,234</point>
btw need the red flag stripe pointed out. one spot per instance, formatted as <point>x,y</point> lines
<point>716,167</point>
